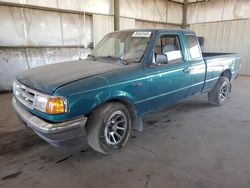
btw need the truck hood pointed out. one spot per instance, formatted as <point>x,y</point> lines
<point>48,78</point>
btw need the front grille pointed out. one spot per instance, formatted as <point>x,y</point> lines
<point>25,95</point>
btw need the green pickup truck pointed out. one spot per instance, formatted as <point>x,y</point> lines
<point>129,74</point>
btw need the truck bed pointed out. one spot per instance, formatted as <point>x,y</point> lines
<point>215,54</point>
<point>217,63</point>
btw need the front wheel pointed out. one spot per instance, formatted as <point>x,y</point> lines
<point>109,127</point>
<point>218,95</point>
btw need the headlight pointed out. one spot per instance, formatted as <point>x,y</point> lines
<point>15,88</point>
<point>41,102</point>
<point>50,104</point>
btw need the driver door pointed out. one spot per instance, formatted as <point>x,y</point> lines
<point>167,82</point>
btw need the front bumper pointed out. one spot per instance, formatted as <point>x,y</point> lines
<point>58,134</point>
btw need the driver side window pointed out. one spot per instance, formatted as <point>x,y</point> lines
<point>168,50</point>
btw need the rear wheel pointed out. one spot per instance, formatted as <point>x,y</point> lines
<point>218,95</point>
<point>109,127</point>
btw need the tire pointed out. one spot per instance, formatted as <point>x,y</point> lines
<point>108,128</point>
<point>218,95</point>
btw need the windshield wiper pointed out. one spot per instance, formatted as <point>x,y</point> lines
<point>120,60</point>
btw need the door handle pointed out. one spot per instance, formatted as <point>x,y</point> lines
<point>187,70</point>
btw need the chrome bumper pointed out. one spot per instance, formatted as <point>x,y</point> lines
<point>57,134</point>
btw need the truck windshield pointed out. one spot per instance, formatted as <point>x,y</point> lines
<point>126,45</point>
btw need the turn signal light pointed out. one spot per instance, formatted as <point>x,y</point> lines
<point>55,106</point>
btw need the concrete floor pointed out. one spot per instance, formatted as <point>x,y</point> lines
<point>192,145</point>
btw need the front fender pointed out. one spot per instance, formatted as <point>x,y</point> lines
<point>81,101</point>
<point>119,96</point>
<point>122,95</point>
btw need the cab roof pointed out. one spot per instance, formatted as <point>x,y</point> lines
<point>185,31</point>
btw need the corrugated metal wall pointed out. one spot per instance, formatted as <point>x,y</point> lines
<point>218,10</point>
<point>29,27</point>
<point>102,26</point>
<point>140,14</point>
<point>149,10</point>
<point>39,32</point>
<point>14,60</point>
<point>227,36</point>
<point>93,6</point>
<point>225,26</point>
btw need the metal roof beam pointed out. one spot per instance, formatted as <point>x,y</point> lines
<point>198,1</point>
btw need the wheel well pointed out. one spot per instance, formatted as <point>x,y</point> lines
<point>131,108</point>
<point>227,73</point>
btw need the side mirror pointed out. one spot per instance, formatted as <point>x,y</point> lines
<point>161,59</point>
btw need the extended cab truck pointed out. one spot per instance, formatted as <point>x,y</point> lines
<point>129,74</point>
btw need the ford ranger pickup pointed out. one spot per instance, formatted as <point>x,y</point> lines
<point>129,74</point>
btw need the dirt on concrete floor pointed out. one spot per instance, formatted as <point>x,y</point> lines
<point>191,145</point>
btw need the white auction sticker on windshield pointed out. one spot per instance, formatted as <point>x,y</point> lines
<point>141,34</point>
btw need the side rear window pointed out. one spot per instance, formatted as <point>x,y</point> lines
<point>193,46</point>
